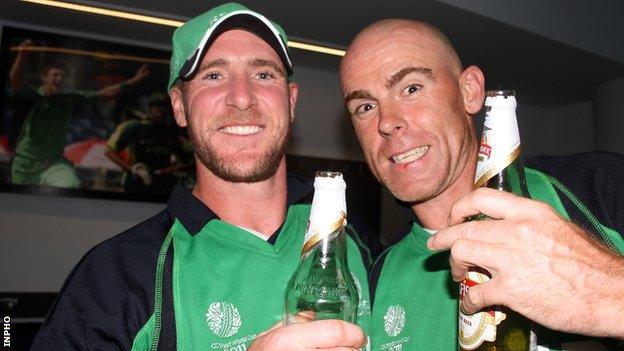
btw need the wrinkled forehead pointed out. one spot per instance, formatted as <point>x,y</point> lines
<point>382,58</point>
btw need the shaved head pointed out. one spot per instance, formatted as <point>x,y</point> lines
<point>397,29</point>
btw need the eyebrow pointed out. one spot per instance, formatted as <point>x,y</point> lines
<point>214,63</point>
<point>398,76</point>
<point>358,94</point>
<point>257,62</point>
<point>221,62</point>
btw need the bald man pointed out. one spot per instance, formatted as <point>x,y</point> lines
<point>412,104</point>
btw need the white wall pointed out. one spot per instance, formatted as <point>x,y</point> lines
<point>42,237</point>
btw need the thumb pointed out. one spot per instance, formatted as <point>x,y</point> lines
<point>478,297</point>
<point>274,327</point>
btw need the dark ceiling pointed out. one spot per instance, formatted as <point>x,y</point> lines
<point>544,72</point>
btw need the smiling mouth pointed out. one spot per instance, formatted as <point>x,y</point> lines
<point>411,155</point>
<point>241,130</point>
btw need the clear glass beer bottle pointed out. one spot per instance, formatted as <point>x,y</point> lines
<point>500,166</point>
<point>322,286</point>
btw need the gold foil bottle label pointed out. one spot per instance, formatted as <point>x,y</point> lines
<point>329,209</point>
<point>315,234</point>
<point>500,143</point>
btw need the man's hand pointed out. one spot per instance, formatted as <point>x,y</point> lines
<point>334,335</point>
<point>115,89</point>
<point>16,79</point>
<point>542,266</point>
<point>141,171</point>
<point>23,48</point>
<point>140,74</point>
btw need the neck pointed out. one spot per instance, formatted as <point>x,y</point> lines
<point>47,90</point>
<point>434,213</point>
<point>260,206</point>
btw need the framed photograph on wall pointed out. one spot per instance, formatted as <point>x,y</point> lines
<point>88,118</point>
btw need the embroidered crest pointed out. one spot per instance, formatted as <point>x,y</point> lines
<point>394,320</point>
<point>223,319</point>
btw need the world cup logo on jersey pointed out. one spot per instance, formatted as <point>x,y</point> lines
<point>394,320</point>
<point>223,319</point>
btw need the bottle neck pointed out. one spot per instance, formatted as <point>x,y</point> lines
<point>333,248</point>
<point>328,216</point>
<point>500,149</point>
<point>511,179</point>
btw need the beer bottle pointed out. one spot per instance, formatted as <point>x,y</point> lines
<point>500,166</point>
<point>322,286</point>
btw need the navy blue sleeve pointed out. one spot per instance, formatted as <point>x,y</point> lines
<point>595,178</point>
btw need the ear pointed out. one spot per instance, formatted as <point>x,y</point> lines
<point>177,103</point>
<point>472,88</point>
<point>293,88</point>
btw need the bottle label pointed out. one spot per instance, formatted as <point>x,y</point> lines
<point>320,225</point>
<point>477,328</point>
<point>500,143</point>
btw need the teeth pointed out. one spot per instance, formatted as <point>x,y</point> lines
<point>410,155</point>
<point>241,130</point>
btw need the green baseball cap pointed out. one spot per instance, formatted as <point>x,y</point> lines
<point>193,39</point>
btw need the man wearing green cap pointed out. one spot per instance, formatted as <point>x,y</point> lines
<point>208,272</point>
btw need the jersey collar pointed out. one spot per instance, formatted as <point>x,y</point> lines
<point>410,218</point>
<point>194,214</point>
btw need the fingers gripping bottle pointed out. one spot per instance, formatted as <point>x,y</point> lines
<point>322,286</point>
<point>499,166</point>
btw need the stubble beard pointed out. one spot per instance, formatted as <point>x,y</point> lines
<point>263,168</point>
<point>412,198</point>
<point>436,189</point>
<point>414,193</point>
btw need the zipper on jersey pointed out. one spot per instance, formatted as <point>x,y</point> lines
<point>590,216</point>
<point>158,289</point>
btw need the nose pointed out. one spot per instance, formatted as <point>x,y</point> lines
<point>390,122</point>
<point>241,94</point>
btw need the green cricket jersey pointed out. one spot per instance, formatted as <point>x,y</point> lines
<point>43,134</point>
<point>415,303</point>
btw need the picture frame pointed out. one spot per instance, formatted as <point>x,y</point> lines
<point>57,136</point>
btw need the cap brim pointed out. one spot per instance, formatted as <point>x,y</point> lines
<point>247,20</point>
